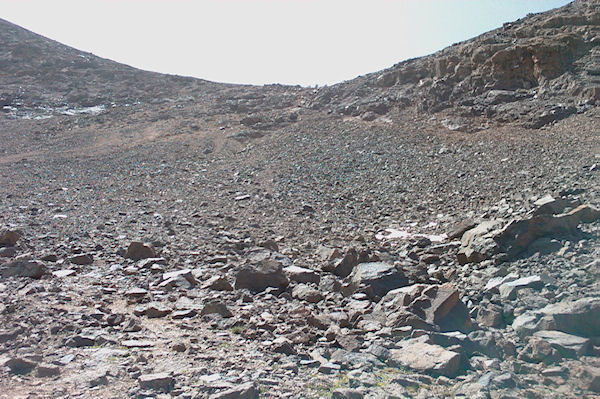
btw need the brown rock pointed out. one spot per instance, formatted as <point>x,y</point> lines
<point>218,283</point>
<point>47,370</point>
<point>9,238</point>
<point>82,259</point>
<point>159,382</point>
<point>138,250</point>
<point>243,391</point>
<point>427,358</point>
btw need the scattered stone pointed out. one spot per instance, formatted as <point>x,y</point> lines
<point>136,293</point>
<point>63,273</point>
<point>329,368</point>
<point>156,310</point>
<point>490,315</point>
<point>567,345</point>
<point>283,345</point>
<point>137,343</point>
<point>183,314</point>
<point>425,307</point>
<point>81,340</point>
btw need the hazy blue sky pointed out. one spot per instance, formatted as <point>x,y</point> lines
<point>303,42</point>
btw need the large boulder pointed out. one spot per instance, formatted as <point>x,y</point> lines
<point>478,243</point>
<point>376,278</point>
<point>519,234</point>
<point>490,238</point>
<point>266,273</point>
<point>430,307</point>
<point>23,268</point>
<point>580,317</point>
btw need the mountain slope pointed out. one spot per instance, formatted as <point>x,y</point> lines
<point>169,237</point>
<point>535,70</point>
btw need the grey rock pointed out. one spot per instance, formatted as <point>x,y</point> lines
<point>82,259</point>
<point>267,273</point>
<point>305,293</point>
<point>47,370</point>
<point>23,268</point>
<point>377,278</point>
<point>18,365</point>
<point>567,345</point>
<point>477,244</point>
<point>490,315</point>
<point>580,317</point>
<point>346,393</point>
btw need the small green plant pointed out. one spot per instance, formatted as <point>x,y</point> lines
<point>237,329</point>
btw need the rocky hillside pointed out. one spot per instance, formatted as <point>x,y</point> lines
<point>535,71</point>
<point>429,231</point>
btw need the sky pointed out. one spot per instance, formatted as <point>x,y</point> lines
<point>306,42</point>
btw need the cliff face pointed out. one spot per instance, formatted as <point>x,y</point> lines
<point>538,69</point>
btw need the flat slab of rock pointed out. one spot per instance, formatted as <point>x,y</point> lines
<point>82,259</point>
<point>426,358</point>
<point>137,343</point>
<point>243,391</point>
<point>302,275</point>
<point>218,283</point>
<point>63,273</point>
<point>567,345</point>
<point>159,381</point>
<point>581,317</point>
